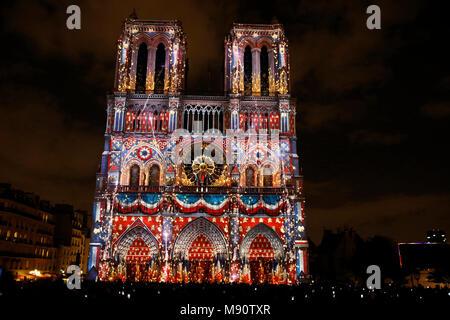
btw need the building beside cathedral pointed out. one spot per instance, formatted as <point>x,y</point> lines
<point>199,188</point>
<point>38,238</point>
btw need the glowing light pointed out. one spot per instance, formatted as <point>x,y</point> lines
<point>35,272</point>
<point>169,267</point>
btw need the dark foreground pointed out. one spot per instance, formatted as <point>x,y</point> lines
<point>212,301</point>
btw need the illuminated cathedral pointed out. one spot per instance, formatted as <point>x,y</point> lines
<point>197,188</point>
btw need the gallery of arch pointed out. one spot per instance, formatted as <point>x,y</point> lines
<point>169,209</point>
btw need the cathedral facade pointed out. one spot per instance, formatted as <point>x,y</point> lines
<point>200,188</point>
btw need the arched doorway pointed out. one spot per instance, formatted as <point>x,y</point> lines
<point>137,255</point>
<point>199,247</point>
<point>261,248</point>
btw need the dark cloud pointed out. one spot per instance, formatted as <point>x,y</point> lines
<point>369,137</point>
<point>316,116</point>
<point>47,152</point>
<point>372,105</point>
<point>437,111</point>
<point>401,217</point>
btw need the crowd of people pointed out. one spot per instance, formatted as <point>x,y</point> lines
<point>282,299</point>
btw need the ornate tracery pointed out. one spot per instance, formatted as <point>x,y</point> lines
<point>209,116</point>
<point>193,230</point>
<point>262,230</point>
<point>123,244</point>
<point>235,211</point>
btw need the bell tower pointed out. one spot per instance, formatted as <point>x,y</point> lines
<point>151,57</point>
<point>200,182</point>
<point>256,60</point>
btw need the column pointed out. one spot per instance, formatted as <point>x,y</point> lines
<point>256,71</point>
<point>110,115</point>
<point>234,113</point>
<point>150,79</point>
<point>133,68</point>
<point>98,232</point>
<point>234,243</point>
<point>284,113</point>
<point>119,110</point>
<point>302,259</point>
<point>284,121</point>
<point>301,243</point>
<point>167,70</point>
<point>272,88</point>
<point>94,246</point>
<point>174,101</point>
<point>166,245</point>
<point>105,155</point>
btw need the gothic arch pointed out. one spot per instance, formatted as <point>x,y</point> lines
<point>266,231</point>
<point>155,174</point>
<point>248,69</point>
<point>250,176</point>
<point>123,243</point>
<point>267,174</point>
<point>248,41</point>
<point>154,41</point>
<point>192,230</point>
<point>264,70</point>
<point>157,156</point>
<point>270,156</point>
<point>161,38</point>
<point>275,172</point>
<point>161,67</point>
<point>264,41</point>
<point>141,67</point>
<point>125,174</point>
<point>212,116</point>
<point>134,180</point>
<point>142,37</point>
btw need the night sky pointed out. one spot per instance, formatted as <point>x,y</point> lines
<point>373,106</point>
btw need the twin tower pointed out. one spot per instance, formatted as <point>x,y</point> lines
<point>196,188</point>
<point>151,59</point>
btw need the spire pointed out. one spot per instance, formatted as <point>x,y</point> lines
<point>133,15</point>
<point>274,20</point>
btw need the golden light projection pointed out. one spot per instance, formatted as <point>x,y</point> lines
<point>204,170</point>
<point>203,165</point>
<point>198,213</point>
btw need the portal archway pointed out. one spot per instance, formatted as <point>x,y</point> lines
<point>261,248</point>
<point>131,236</point>
<point>271,236</point>
<point>137,252</point>
<point>202,244</point>
<point>190,233</point>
